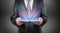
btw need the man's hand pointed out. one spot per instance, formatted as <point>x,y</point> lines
<point>39,22</point>
<point>18,21</point>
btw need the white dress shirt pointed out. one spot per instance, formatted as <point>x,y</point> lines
<point>31,3</point>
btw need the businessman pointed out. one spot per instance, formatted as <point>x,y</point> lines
<point>28,8</point>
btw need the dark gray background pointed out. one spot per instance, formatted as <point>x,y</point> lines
<point>52,25</point>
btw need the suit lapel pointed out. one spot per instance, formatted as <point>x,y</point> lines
<point>23,5</point>
<point>35,4</point>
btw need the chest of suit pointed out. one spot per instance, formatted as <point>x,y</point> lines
<point>22,11</point>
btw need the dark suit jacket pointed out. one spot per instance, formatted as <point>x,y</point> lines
<point>20,6</point>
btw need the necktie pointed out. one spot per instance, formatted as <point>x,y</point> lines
<point>29,9</point>
<point>29,25</point>
<point>28,5</point>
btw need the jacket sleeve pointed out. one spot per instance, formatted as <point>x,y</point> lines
<point>44,14</point>
<point>14,15</point>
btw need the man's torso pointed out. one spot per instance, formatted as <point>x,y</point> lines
<point>22,10</point>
